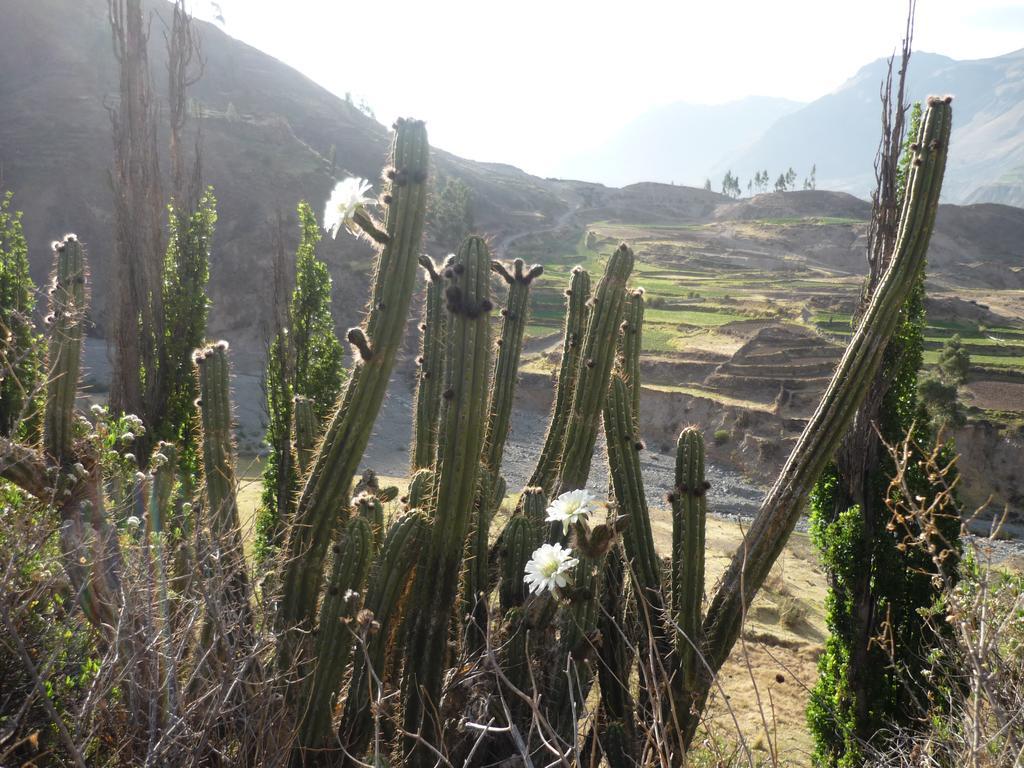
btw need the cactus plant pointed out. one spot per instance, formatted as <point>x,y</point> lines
<point>577,312</point>
<point>229,613</point>
<point>596,358</point>
<point>630,345</point>
<point>376,343</point>
<point>334,638</point>
<point>430,378</point>
<point>548,641</point>
<point>388,584</point>
<point>783,504</point>
<point>460,440</point>
<point>506,364</point>
<point>689,513</point>
<point>67,307</point>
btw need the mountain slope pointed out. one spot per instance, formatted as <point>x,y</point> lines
<point>270,137</point>
<point>839,132</point>
<point>681,143</point>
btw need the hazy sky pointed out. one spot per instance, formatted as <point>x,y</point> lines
<point>530,81</point>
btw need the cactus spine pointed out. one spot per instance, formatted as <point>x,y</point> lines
<point>334,638</point>
<point>577,311</point>
<point>430,380</point>
<point>460,439</point>
<point>783,504</point>
<point>328,481</point>
<point>596,360</point>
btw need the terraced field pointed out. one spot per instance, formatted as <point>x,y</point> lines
<point>746,319</point>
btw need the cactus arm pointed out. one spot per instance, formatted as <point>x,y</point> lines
<point>430,378</point>
<point>506,364</point>
<point>577,311</point>
<point>689,519</point>
<point>91,555</point>
<point>519,539</point>
<point>613,669</point>
<point>597,356</point>
<point>460,439</point>
<point>306,431</point>
<point>163,464</point>
<point>327,484</point>
<point>334,639</point>
<point>385,597</point>
<point>67,309</point>
<point>229,607</point>
<point>783,504</point>
<point>624,468</point>
<point>421,490</point>
<point>630,344</point>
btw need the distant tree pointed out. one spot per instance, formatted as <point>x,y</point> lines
<point>450,213</point>
<point>940,388</point>
<point>305,359</point>
<point>954,360</point>
<point>750,187</point>
<point>790,179</point>
<point>731,185</point>
<point>186,273</point>
<point>20,345</point>
<point>707,185</point>
<point>764,180</point>
<point>811,182</point>
<point>780,183</point>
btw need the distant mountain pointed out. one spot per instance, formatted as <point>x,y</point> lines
<point>679,143</point>
<point>270,138</point>
<point>839,132</point>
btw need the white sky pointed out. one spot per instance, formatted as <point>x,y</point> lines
<point>530,81</point>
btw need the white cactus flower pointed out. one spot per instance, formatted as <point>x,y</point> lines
<point>348,197</point>
<point>548,568</point>
<point>572,507</point>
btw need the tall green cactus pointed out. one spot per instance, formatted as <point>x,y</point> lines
<point>630,345</point>
<point>577,312</point>
<point>328,481</point>
<point>624,446</point>
<point>162,468</point>
<point>88,542</point>
<point>460,440</point>
<point>389,582</point>
<point>596,360</point>
<point>229,613</point>
<point>783,504</point>
<point>430,378</point>
<point>334,638</point>
<point>689,513</point>
<point>67,308</point>
<point>506,364</point>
